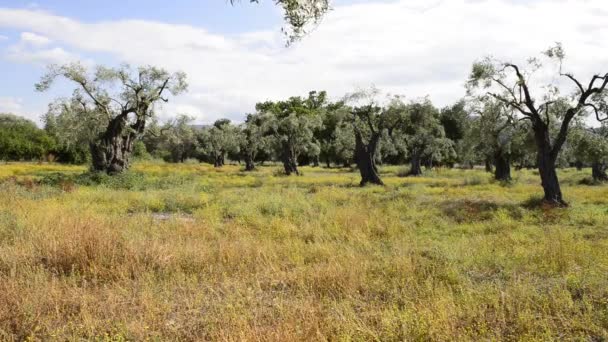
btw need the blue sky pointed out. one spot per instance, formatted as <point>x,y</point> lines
<point>235,56</point>
<point>216,16</point>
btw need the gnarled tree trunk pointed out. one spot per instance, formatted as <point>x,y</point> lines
<point>428,163</point>
<point>502,162</point>
<point>218,160</point>
<point>289,159</point>
<point>112,151</point>
<point>365,157</point>
<point>488,164</point>
<point>249,163</point>
<point>546,166</point>
<point>598,172</point>
<point>415,165</point>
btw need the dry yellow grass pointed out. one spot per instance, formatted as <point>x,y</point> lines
<point>186,252</point>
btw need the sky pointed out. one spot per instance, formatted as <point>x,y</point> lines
<point>235,56</point>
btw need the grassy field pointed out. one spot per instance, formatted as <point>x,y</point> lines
<point>187,252</point>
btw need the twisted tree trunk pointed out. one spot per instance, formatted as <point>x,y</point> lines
<point>365,157</point>
<point>598,171</point>
<point>289,159</point>
<point>217,160</point>
<point>488,164</point>
<point>112,151</point>
<point>502,162</point>
<point>249,162</point>
<point>546,166</point>
<point>415,165</point>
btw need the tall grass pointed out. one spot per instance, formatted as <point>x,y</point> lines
<point>188,252</point>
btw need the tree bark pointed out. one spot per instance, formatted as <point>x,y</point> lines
<point>546,166</point>
<point>488,164</point>
<point>415,167</point>
<point>428,163</point>
<point>249,164</point>
<point>217,161</point>
<point>289,160</point>
<point>366,161</point>
<point>112,151</point>
<point>502,162</point>
<point>598,171</point>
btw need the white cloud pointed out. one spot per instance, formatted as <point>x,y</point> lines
<point>42,57</point>
<point>34,39</point>
<point>35,49</point>
<point>21,107</point>
<point>11,105</point>
<point>412,47</point>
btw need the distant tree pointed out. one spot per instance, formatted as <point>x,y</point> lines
<point>512,85</point>
<point>21,139</point>
<point>590,145</point>
<point>422,136</point>
<point>72,128</point>
<point>343,144</point>
<point>299,15</point>
<point>114,104</point>
<point>370,123</point>
<point>218,141</point>
<point>292,124</point>
<point>498,132</point>
<point>252,139</point>
<point>179,139</point>
<point>456,121</point>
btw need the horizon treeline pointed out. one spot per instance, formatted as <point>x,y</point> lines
<point>312,131</point>
<point>506,119</point>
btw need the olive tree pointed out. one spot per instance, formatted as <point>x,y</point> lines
<point>422,136</point>
<point>512,84</point>
<point>292,124</point>
<point>370,123</point>
<point>252,139</point>
<point>498,132</point>
<point>178,139</point>
<point>590,145</point>
<point>218,141</point>
<point>116,103</point>
<point>456,122</point>
<point>299,15</point>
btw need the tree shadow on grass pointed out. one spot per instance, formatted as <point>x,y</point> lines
<point>469,211</point>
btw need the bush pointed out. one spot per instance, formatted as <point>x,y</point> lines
<point>20,139</point>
